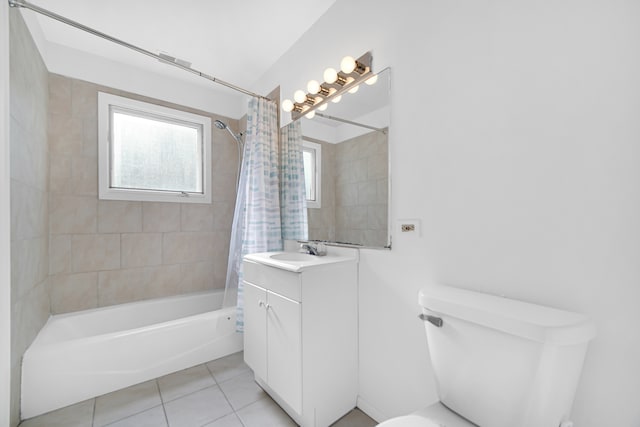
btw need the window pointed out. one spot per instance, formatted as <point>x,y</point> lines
<point>312,156</point>
<point>152,153</point>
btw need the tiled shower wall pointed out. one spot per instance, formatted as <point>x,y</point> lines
<point>354,192</point>
<point>362,189</point>
<point>29,182</point>
<point>105,252</point>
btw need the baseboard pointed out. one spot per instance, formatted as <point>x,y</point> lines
<point>370,410</point>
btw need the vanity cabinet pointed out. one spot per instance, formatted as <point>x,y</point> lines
<point>300,337</point>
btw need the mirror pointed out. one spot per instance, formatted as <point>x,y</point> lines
<point>349,143</point>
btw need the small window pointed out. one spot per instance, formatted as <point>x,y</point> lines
<point>152,153</point>
<point>312,156</point>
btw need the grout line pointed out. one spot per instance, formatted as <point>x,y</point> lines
<point>93,412</point>
<point>164,410</point>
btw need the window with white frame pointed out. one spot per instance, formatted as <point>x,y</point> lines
<point>149,152</point>
<point>312,156</point>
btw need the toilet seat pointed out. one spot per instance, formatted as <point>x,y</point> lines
<point>410,421</point>
<point>436,415</point>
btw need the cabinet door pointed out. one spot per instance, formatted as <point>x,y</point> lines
<point>255,329</point>
<point>284,349</point>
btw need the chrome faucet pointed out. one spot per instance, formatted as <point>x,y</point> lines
<point>318,249</point>
<point>308,249</point>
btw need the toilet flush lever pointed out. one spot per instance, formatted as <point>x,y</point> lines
<point>436,321</point>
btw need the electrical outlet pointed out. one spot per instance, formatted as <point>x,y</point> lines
<point>408,227</point>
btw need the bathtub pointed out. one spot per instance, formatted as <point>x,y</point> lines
<point>77,356</point>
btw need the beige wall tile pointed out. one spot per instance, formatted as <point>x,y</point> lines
<point>141,249</point>
<point>95,252</point>
<point>72,214</point>
<point>120,286</point>
<point>196,217</point>
<point>84,99</point>
<point>224,187</point>
<point>119,216</point>
<point>74,292</point>
<point>28,211</point>
<point>65,134</point>
<point>164,281</point>
<point>160,217</point>
<point>197,277</point>
<point>29,264</point>
<point>184,247</point>
<point>134,284</point>
<point>59,254</point>
<point>223,215</point>
<point>85,176</point>
<point>60,94</point>
<point>29,315</point>
<point>60,174</point>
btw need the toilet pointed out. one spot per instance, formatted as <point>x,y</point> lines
<point>499,362</point>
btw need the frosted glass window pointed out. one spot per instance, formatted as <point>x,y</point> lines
<point>152,153</point>
<point>312,158</point>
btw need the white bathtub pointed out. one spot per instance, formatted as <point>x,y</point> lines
<point>81,355</point>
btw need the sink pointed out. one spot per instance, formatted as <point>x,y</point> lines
<point>293,256</point>
<point>297,261</point>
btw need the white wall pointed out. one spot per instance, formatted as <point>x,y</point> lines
<point>515,140</point>
<point>194,92</point>
<point>5,226</point>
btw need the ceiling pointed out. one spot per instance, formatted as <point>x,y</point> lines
<point>233,40</point>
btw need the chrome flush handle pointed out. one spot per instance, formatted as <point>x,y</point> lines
<point>434,320</point>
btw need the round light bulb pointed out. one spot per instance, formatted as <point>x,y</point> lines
<point>354,89</point>
<point>313,87</point>
<point>330,75</point>
<point>372,80</point>
<point>348,64</point>
<point>323,107</point>
<point>336,99</point>
<point>310,115</point>
<point>287,105</point>
<point>300,96</point>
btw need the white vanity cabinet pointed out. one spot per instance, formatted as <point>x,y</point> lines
<point>300,336</point>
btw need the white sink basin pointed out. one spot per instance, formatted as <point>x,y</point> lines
<point>296,261</point>
<point>293,256</point>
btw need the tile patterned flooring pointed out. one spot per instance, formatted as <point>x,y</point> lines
<point>220,393</point>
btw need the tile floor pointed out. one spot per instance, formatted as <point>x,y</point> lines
<point>220,393</point>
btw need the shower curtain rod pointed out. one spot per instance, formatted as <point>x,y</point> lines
<point>338,119</point>
<point>52,15</point>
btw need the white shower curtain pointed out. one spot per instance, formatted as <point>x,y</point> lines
<point>293,201</point>
<point>256,221</point>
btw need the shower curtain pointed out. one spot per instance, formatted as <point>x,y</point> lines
<point>256,221</point>
<point>293,201</point>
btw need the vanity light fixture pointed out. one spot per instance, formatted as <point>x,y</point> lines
<point>336,83</point>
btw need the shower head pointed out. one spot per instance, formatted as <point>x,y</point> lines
<point>222,125</point>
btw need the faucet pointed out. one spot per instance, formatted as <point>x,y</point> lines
<point>311,249</point>
<point>308,249</point>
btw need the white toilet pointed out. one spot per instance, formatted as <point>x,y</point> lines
<point>499,362</point>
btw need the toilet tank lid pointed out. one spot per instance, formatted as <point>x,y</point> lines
<point>527,320</point>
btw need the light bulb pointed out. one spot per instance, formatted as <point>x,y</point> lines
<point>300,96</point>
<point>372,80</point>
<point>330,75</point>
<point>313,87</point>
<point>310,115</point>
<point>336,99</point>
<point>323,107</point>
<point>287,105</point>
<point>354,89</point>
<point>348,64</point>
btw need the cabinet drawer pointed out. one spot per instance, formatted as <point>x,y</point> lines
<point>283,282</point>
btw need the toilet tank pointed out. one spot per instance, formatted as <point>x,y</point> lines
<point>502,363</point>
